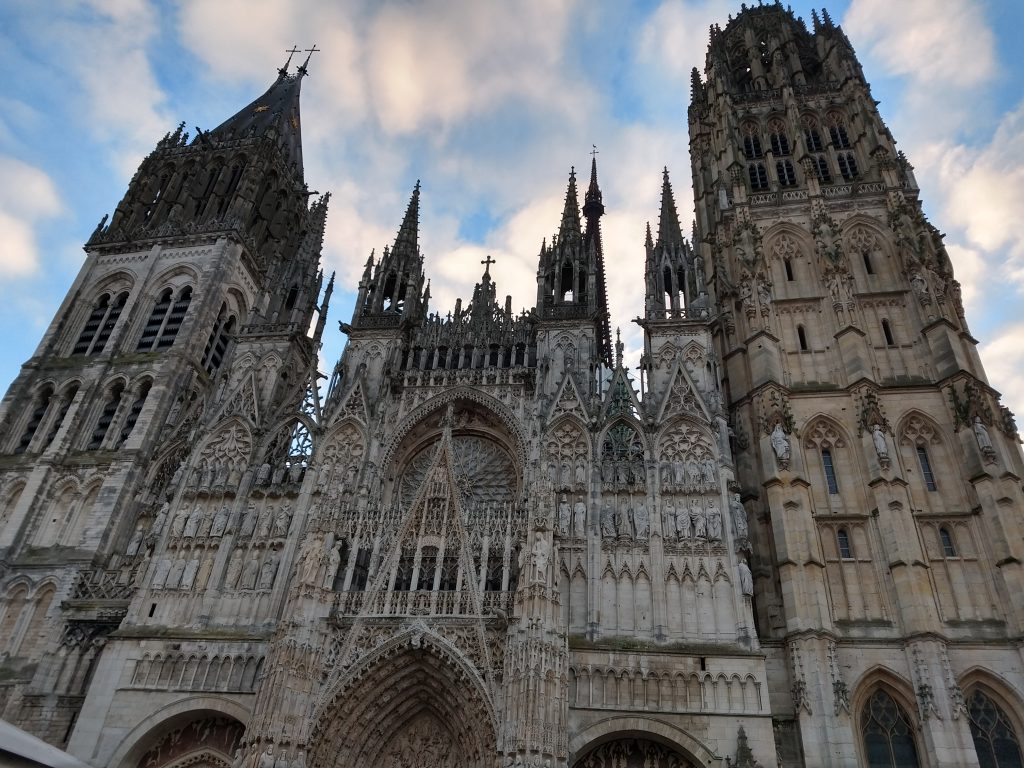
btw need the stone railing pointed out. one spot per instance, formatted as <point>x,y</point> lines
<point>420,603</point>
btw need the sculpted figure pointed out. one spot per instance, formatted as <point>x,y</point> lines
<point>283,520</point>
<point>710,471</point>
<point>780,444</point>
<point>333,561</point>
<point>300,760</point>
<point>234,475</point>
<point>878,438</point>
<point>564,515</point>
<point>250,572</point>
<point>739,516</point>
<point>161,520</point>
<point>641,520</point>
<point>311,559</point>
<point>267,758</point>
<point>295,473</point>
<point>669,520</point>
<point>252,516</point>
<point>204,573</point>
<point>622,526</point>
<point>265,524</point>
<point>205,522</point>
<point>174,574</point>
<point>746,578</point>
<point>714,522</point>
<point>581,474</point>
<point>607,521</point>
<point>693,473</point>
<point>541,554</point>
<point>188,575</point>
<point>268,571</point>
<point>278,476</point>
<point>192,523</point>
<point>350,477</point>
<point>136,542</point>
<point>666,475</point>
<point>263,474</point>
<point>981,433</point>
<point>678,473</point>
<point>579,519</point>
<point>566,475</point>
<point>178,524</point>
<point>220,522</point>
<point>234,569</point>
<point>221,478</point>
<point>698,520</point>
<point>160,574</point>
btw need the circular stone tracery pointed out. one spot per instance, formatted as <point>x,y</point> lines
<point>484,471</point>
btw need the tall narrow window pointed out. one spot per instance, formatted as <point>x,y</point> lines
<point>830,471</point>
<point>449,573</point>
<point>840,138</point>
<point>788,264</point>
<point>888,734</point>
<point>887,332</point>
<point>780,144</point>
<point>428,568</point>
<point>133,414</point>
<point>948,548</point>
<point>165,320</point>
<point>100,324</point>
<point>758,176</point>
<point>752,147</point>
<point>784,170</point>
<point>801,335</point>
<point>494,568</point>
<point>35,419</point>
<point>106,418</point>
<point>361,570</point>
<point>155,323</point>
<point>821,168</point>
<point>995,740</point>
<point>813,140</point>
<point>175,318</point>
<point>926,468</point>
<point>65,404</point>
<point>219,339</point>
<point>843,542</point>
<point>403,574</point>
<point>847,165</point>
<point>869,267</point>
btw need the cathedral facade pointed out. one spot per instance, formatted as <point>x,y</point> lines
<point>792,537</point>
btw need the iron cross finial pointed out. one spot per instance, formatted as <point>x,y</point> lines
<point>311,51</point>
<point>487,264</point>
<point>594,152</point>
<point>291,52</point>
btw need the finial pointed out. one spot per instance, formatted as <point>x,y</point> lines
<point>291,52</point>
<point>619,348</point>
<point>487,265</point>
<point>302,70</point>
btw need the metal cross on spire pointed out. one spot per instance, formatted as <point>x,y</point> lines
<point>594,153</point>
<point>291,52</point>
<point>311,51</point>
<point>487,264</point>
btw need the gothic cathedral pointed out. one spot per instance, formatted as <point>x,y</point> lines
<point>793,537</point>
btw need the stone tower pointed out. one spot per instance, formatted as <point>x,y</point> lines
<point>881,473</point>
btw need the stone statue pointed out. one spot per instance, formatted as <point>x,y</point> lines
<point>174,574</point>
<point>136,542</point>
<point>267,758</point>
<point>188,575</point>
<point>178,524</point>
<point>205,568</point>
<point>300,760</point>
<point>878,438</point>
<point>714,522</point>
<point>309,566</point>
<point>683,522</point>
<point>277,477</point>
<point>263,474</point>
<point>295,473</point>
<point>283,521</point>
<point>607,521</point>
<point>698,519</point>
<point>333,561</point>
<point>268,571</point>
<point>205,522</point>
<point>220,522</point>
<point>541,554</point>
<point>677,473</point>
<point>233,570</point>
<point>981,433</point>
<point>581,474</point>
<point>693,473</point>
<point>622,522</point>
<point>161,520</point>
<point>160,574</point>
<point>564,515</point>
<point>780,444</point>
<point>565,477</point>
<point>265,524</point>
<point>739,516</point>
<point>579,519</point>
<point>192,523</point>
<point>349,483</point>
<point>252,515</point>
<point>250,572</point>
<point>238,760</point>
<point>746,579</point>
<point>641,521</point>
<point>710,470</point>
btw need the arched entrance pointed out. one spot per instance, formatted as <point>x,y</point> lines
<point>632,752</point>
<point>203,740</point>
<point>414,703</point>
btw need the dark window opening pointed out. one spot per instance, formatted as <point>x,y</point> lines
<point>847,166</point>
<point>887,332</point>
<point>888,734</point>
<point>813,139</point>
<point>788,264</point>
<point>752,147</point>
<point>948,548</point>
<point>106,417</point>
<point>830,471</point>
<point>42,405</point>
<point>758,176</point>
<point>843,542</point>
<point>802,337</point>
<point>786,173</point>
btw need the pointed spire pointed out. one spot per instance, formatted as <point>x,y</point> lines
<point>592,205</point>
<point>570,226</point>
<point>669,232</point>
<point>303,70</point>
<point>283,71</point>
<point>648,240</point>
<point>368,271</point>
<point>407,240</point>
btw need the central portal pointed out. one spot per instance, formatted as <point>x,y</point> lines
<point>632,753</point>
<point>425,742</point>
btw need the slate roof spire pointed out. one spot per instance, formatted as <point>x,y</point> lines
<point>669,231</point>
<point>570,228</point>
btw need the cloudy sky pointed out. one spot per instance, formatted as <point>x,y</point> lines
<point>489,103</point>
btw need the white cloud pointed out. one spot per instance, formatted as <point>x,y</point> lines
<point>27,196</point>
<point>1003,358</point>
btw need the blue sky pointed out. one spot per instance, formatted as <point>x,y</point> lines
<point>489,104</point>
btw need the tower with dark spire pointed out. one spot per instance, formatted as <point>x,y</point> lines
<point>670,279</point>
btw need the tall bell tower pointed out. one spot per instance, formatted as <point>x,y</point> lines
<point>879,467</point>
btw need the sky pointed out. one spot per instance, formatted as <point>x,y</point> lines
<point>489,104</point>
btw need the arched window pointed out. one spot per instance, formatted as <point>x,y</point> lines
<point>752,145</point>
<point>65,403</point>
<point>847,165</point>
<point>843,542</point>
<point>361,570</point>
<point>403,574</point>
<point>106,417</point>
<point>219,339</point>
<point>887,733</point>
<point>784,170</point>
<point>788,265</point>
<point>995,740</point>
<point>813,139</point>
<point>801,335</point>
<point>34,420</point>
<point>948,548</point>
<point>887,330</point>
<point>428,567</point>
<point>165,320</point>
<point>758,176</point>
<point>780,144</point>
<point>100,323</point>
<point>133,413</point>
<point>830,471</point>
<point>926,468</point>
<point>839,136</point>
<point>822,169</point>
<point>869,267</point>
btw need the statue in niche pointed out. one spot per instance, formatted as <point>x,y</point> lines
<point>881,446</point>
<point>666,475</point>
<point>564,515</point>
<point>140,572</point>
<point>188,575</point>
<point>267,758</point>
<point>300,760</point>
<point>982,436</point>
<point>333,561</point>
<point>780,445</point>
<point>541,555</point>
<point>311,559</point>
<point>161,520</point>
<point>250,572</point>
<point>192,523</point>
<point>641,520</point>
<point>746,579</point>
<point>739,516</point>
<point>920,286</point>
<point>710,471</point>
<point>283,521</point>
<point>178,524</point>
<point>268,571</point>
<point>581,474</point>
<point>566,475</point>
<point>174,574</point>
<point>622,521</point>
<point>163,568</point>
<point>693,473</point>
<point>205,523</point>
<point>206,479</point>
<point>552,473</point>
<point>323,475</point>
<point>349,483</point>
<point>220,522</point>
<point>678,473</point>
<point>263,474</point>
<point>621,473</point>
<point>579,519</point>
<point>278,475</point>
<point>265,524</point>
<point>235,475</point>
<point>607,521</point>
<point>668,519</point>
<point>136,541</point>
<point>698,520</point>
<point>221,479</point>
<point>234,569</point>
<point>203,576</point>
<point>295,473</point>
<point>178,474</point>
<point>252,516</point>
<point>714,521</point>
<point>684,522</point>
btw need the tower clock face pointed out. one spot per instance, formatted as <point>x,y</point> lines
<point>484,472</point>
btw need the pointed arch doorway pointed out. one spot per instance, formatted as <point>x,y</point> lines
<point>416,703</point>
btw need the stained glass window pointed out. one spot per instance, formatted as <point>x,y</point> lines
<point>994,738</point>
<point>888,734</point>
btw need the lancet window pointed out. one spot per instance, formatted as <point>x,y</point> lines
<point>142,391</point>
<point>219,339</point>
<point>101,321</point>
<point>39,410</point>
<point>165,319</point>
<point>888,733</point>
<point>106,418</point>
<point>995,739</point>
